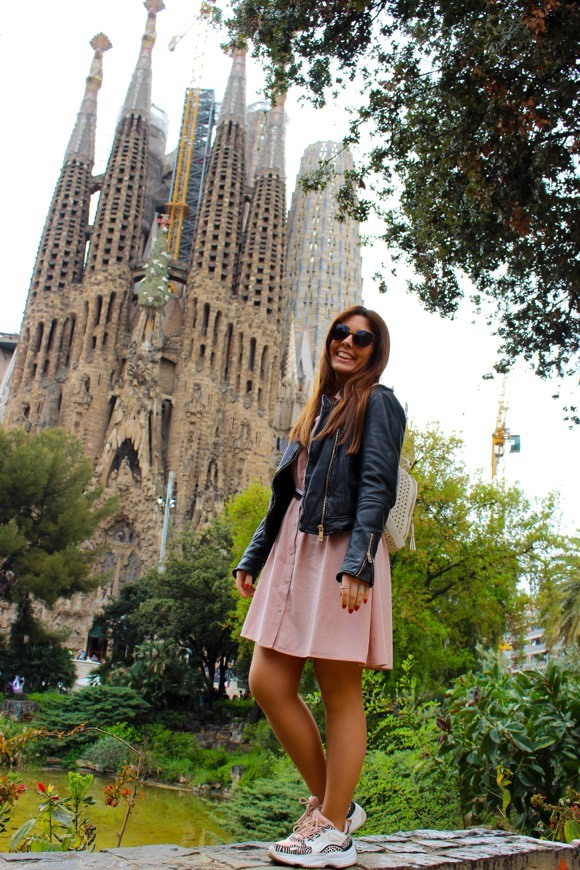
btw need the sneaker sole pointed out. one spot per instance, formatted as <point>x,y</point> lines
<point>330,859</point>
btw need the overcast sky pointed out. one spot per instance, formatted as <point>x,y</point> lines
<point>436,365</point>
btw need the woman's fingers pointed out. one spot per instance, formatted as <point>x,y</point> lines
<point>245,584</point>
<point>353,593</point>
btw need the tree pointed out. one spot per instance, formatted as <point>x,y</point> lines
<point>559,599</point>
<point>188,605</point>
<point>476,545</point>
<point>36,654</point>
<point>471,113</point>
<point>48,511</point>
<point>243,514</point>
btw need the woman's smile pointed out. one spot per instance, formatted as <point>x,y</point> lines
<point>346,359</point>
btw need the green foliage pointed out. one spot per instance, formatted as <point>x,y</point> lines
<point>512,736</point>
<point>559,599</point>
<point>108,754</point>
<point>243,514</point>
<point>11,787</point>
<point>399,795</point>
<point>181,614</point>
<point>98,706</point>
<point>563,818</point>
<point>476,545</point>
<point>36,653</point>
<point>118,622</point>
<point>470,113</point>
<point>47,511</point>
<point>164,742</point>
<point>268,807</point>
<point>59,824</point>
<point>403,785</point>
<point>154,288</point>
<point>160,675</point>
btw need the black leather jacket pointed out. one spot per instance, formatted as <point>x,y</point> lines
<point>341,493</point>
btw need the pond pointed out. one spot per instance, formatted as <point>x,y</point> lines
<point>164,815</point>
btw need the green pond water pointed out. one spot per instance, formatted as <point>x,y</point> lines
<point>162,816</point>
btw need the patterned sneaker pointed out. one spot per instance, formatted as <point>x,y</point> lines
<point>317,844</point>
<point>355,818</point>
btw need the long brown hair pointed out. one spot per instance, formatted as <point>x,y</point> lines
<point>349,412</point>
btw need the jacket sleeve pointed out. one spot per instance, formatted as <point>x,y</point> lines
<point>384,430</point>
<point>256,552</point>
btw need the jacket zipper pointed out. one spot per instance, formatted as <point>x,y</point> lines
<point>321,525</point>
<point>368,555</point>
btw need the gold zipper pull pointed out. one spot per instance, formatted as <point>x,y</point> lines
<point>321,532</point>
<point>369,554</point>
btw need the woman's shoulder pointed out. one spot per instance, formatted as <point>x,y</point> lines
<point>383,396</point>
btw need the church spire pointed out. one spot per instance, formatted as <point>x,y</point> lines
<point>219,223</point>
<point>117,234</point>
<point>262,258</point>
<point>138,99</point>
<point>47,330</point>
<point>234,101</point>
<point>82,140</point>
<point>272,152</point>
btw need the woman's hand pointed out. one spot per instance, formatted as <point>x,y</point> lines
<point>245,584</point>
<point>353,592</point>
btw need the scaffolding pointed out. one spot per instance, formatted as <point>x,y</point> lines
<point>197,123</point>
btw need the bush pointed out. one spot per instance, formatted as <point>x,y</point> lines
<point>160,676</point>
<point>97,706</point>
<point>511,736</point>
<point>162,742</point>
<point>398,794</point>
<point>108,754</point>
<point>44,663</point>
<point>267,808</point>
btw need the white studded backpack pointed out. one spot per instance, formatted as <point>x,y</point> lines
<point>400,519</point>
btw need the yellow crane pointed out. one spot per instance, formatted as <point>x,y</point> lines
<point>501,435</point>
<point>178,209</point>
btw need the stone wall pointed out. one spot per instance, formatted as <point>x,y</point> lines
<point>472,849</point>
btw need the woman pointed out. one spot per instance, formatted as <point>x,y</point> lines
<point>324,592</point>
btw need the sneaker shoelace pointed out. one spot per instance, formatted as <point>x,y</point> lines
<point>306,815</point>
<point>311,827</point>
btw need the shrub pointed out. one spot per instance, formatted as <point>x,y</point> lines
<point>400,795</point>
<point>511,736</point>
<point>108,754</point>
<point>267,808</point>
<point>97,706</point>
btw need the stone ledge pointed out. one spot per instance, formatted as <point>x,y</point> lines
<point>472,849</point>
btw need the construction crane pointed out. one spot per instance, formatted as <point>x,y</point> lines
<point>178,209</point>
<point>501,435</point>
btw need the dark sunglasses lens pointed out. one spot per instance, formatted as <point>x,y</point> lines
<point>362,338</point>
<point>339,332</point>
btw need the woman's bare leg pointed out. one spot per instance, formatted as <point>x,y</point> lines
<point>346,734</point>
<point>274,682</point>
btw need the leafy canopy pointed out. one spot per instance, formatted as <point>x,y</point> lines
<point>468,123</point>
<point>48,510</point>
<point>477,545</point>
<point>187,605</point>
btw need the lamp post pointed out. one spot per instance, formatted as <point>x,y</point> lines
<point>167,504</point>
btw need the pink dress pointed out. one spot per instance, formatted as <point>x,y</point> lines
<point>296,608</point>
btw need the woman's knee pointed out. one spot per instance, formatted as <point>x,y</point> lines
<point>340,685</point>
<point>273,678</point>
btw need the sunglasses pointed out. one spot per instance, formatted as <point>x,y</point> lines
<point>360,338</point>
